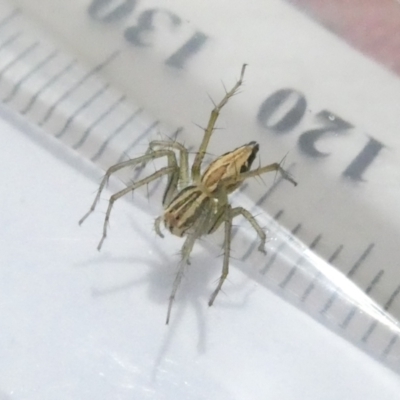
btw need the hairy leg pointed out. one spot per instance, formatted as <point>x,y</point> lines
<point>269,168</point>
<point>256,226</point>
<point>196,167</point>
<point>186,250</point>
<point>227,250</point>
<point>129,189</point>
<point>130,163</point>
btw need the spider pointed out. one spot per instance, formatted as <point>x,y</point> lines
<point>195,203</point>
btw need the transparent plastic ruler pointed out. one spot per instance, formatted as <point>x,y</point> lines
<point>104,77</point>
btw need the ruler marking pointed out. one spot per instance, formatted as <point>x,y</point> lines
<point>115,133</point>
<point>19,57</point>
<point>36,68</point>
<point>329,303</point>
<point>352,271</point>
<point>375,281</point>
<point>386,306</point>
<point>77,84</point>
<point>9,17</point>
<point>298,263</point>
<point>363,257</point>
<point>390,346</point>
<point>279,214</point>
<point>311,287</point>
<point>313,284</point>
<point>389,303</point>
<point>138,139</point>
<point>81,108</point>
<point>46,85</point>
<point>369,331</point>
<point>353,310</point>
<point>274,256</point>
<point>11,39</point>
<point>102,116</point>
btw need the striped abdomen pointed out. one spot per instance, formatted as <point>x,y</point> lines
<point>185,210</point>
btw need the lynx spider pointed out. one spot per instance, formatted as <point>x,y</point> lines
<point>196,203</point>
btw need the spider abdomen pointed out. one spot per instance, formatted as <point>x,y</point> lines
<point>185,209</point>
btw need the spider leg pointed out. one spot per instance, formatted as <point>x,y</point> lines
<point>196,167</point>
<point>227,250</point>
<point>129,163</point>
<point>256,226</point>
<point>157,227</point>
<point>269,168</point>
<point>230,214</point>
<point>186,250</point>
<point>131,188</point>
<point>155,145</point>
<point>181,177</point>
<point>200,228</point>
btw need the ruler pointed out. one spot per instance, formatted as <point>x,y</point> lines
<point>105,77</point>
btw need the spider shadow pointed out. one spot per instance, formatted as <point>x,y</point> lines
<point>194,291</point>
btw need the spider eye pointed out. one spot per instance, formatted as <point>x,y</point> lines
<point>253,153</point>
<point>244,167</point>
<point>254,150</point>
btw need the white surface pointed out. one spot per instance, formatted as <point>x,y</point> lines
<point>345,215</point>
<point>61,341</point>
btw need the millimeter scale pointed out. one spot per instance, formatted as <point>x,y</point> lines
<point>105,77</point>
